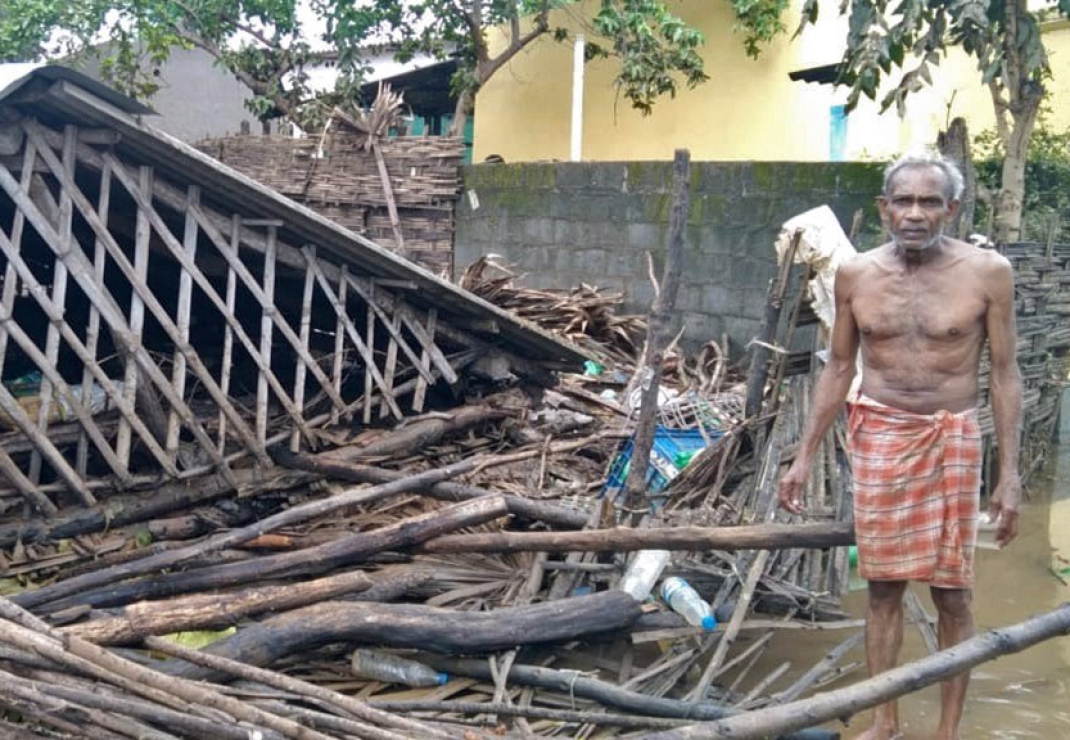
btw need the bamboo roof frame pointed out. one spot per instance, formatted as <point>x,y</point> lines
<point>195,214</point>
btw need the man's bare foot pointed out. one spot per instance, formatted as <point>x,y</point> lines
<point>880,733</point>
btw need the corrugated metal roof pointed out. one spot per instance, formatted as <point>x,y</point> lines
<point>74,98</point>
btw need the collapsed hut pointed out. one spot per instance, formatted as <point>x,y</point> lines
<point>214,317</point>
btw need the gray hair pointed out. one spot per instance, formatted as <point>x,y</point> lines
<point>952,174</point>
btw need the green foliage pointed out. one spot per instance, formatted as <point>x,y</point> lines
<point>887,34</point>
<point>654,46</point>
<point>1047,172</point>
<point>265,44</point>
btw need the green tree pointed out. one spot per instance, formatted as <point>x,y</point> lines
<point>268,46</point>
<point>1002,36</point>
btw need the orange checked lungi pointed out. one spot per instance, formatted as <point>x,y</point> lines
<point>917,482</point>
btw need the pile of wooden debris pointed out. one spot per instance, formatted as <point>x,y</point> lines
<point>466,542</point>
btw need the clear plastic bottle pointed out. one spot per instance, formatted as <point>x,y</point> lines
<point>686,602</point>
<point>643,573</point>
<point>389,668</point>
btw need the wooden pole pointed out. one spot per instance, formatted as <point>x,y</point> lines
<point>833,705</point>
<point>625,539</point>
<point>420,393</point>
<point>339,345</point>
<point>267,308</point>
<point>228,331</point>
<point>659,334</point>
<point>763,347</point>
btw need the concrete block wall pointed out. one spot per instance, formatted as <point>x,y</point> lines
<point>565,223</point>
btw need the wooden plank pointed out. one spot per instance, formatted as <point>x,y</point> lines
<point>49,372</point>
<point>52,312</point>
<point>354,335</point>
<point>339,341</point>
<point>425,363</point>
<point>142,235</point>
<point>306,335</point>
<point>267,311</point>
<point>92,332</point>
<point>228,332</point>
<point>185,299</point>
<point>80,267</point>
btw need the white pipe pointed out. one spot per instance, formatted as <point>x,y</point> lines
<point>579,51</point>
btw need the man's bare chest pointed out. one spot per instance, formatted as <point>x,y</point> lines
<point>940,310</point>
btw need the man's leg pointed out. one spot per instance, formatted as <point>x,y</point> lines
<point>884,637</point>
<point>955,625</point>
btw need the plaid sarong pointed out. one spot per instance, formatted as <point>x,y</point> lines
<point>917,481</point>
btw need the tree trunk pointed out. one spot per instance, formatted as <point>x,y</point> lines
<point>1008,216</point>
<point>445,631</point>
<point>465,102</point>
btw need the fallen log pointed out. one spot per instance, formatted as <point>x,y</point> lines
<point>212,611</point>
<point>443,631</point>
<point>444,491</point>
<point>297,514</point>
<point>309,561</point>
<point>120,511</point>
<point>889,685</point>
<point>625,539</point>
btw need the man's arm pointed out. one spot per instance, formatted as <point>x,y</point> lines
<point>1006,385</point>
<point>831,391</point>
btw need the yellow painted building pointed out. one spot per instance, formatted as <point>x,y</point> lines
<point>748,110</point>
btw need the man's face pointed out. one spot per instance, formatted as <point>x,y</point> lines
<point>917,208</point>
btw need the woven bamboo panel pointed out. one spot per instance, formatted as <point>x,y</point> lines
<point>1042,304</point>
<point>339,179</point>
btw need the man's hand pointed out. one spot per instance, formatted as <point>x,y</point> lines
<point>1004,507</point>
<point>792,486</point>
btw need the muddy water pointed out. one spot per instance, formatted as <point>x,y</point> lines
<point>1026,695</point>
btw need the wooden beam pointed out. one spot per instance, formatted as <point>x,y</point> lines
<point>267,308</point>
<point>306,336</point>
<point>185,299</point>
<point>92,332</point>
<point>228,331</point>
<point>11,279</point>
<point>339,341</point>
<point>425,362</point>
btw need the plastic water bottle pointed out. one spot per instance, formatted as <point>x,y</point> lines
<point>643,573</point>
<point>388,668</point>
<point>686,602</point>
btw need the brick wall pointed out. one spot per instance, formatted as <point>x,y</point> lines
<point>566,223</point>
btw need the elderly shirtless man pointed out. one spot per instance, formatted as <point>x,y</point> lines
<point>920,308</point>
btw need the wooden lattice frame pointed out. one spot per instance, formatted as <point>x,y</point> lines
<point>155,409</point>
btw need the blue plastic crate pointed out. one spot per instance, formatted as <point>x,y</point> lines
<point>668,445</point>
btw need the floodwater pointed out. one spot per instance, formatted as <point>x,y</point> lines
<point>1024,695</point>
